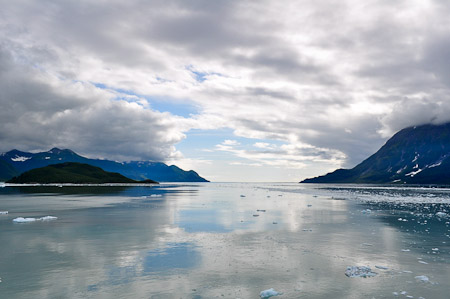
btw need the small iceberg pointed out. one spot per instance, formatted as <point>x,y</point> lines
<point>27,220</point>
<point>23,220</point>
<point>269,293</point>
<point>359,271</point>
<point>441,214</point>
<point>48,218</point>
<point>3,212</point>
<point>422,278</point>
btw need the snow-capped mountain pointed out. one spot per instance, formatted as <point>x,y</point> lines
<point>415,155</point>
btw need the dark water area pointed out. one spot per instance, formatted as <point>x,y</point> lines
<point>228,240</point>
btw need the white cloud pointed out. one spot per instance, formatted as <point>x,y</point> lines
<point>339,77</point>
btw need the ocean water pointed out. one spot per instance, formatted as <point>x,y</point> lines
<point>224,240</point>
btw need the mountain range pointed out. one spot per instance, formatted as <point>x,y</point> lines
<point>15,162</point>
<point>414,155</point>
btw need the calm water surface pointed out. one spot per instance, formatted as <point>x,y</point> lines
<point>210,241</point>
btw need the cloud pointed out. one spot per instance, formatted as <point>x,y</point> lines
<point>286,155</point>
<point>330,80</point>
<point>40,111</point>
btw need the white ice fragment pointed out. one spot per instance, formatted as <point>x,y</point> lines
<point>422,278</point>
<point>441,214</point>
<point>3,212</point>
<point>435,249</point>
<point>359,271</point>
<point>404,293</point>
<point>381,267</point>
<point>47,158</point>
<point>155,195</point>
<point>406,250</point>
<point>26,220</point>
<point>269,293</point>
<point>23,220</point>
<point>395,293</point>
<point>422,262</point>
<point>367,244</point>
<point>48,218</point>
<point>366,211</point>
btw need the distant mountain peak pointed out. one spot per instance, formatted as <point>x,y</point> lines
<point>414,155</point>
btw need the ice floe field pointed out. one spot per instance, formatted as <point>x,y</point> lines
<point>224,240</point>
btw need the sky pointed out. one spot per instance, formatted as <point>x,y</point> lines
<point>236,90</point>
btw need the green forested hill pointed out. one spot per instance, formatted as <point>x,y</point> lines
<point>71,172</point>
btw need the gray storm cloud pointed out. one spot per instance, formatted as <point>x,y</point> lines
<point>339,76</point>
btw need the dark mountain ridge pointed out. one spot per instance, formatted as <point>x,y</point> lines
<point>15,162</point>
<point>414,155</point>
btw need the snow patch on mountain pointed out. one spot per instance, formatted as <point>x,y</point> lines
<point>20,158</point>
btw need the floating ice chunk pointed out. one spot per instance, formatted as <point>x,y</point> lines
<point>395,293</point>
<point>435,249</point>
<point>422,278</point>
<point>26,220</point>
<point>381,267</point>
<point>3,212</point>
<point>367,244</point>
<point>441,214</point>
<point>48,218</point>
<point>359,271</point>
<point>269,293</point>
<point>155,195</point>
<point>422,262</point>
<point>406,250</point>
<point>23,220</point>
<point>366,211</point>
